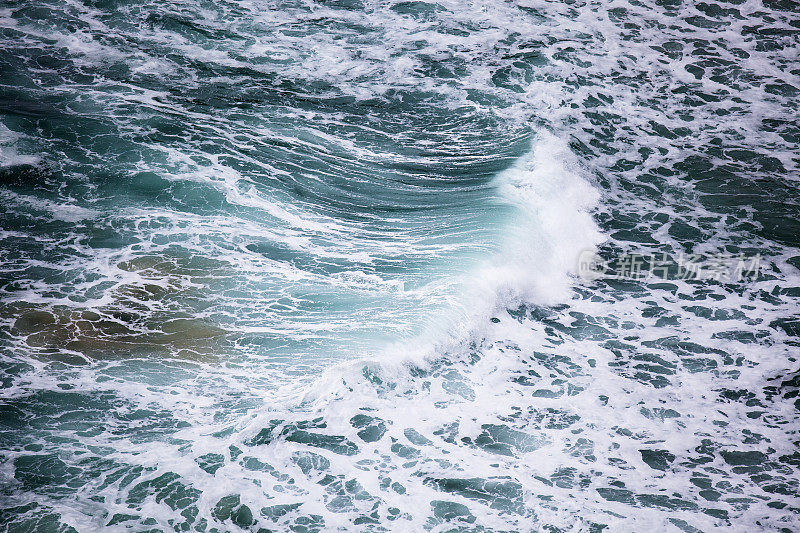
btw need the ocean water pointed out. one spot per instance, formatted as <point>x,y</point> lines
<point>316,265</point>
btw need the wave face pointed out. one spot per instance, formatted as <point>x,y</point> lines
<point>309,266</point>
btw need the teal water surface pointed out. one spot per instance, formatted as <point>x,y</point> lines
<point>310,266</point>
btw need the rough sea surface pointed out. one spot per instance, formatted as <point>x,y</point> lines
<point>311,266</point>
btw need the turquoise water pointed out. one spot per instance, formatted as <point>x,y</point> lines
<point>313,266</point>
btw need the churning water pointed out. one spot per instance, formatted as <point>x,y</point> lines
<point>311,266</point>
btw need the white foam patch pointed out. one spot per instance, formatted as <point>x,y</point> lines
<point>55,210</point>
<point>9,153</point>
<point>554,224</point>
